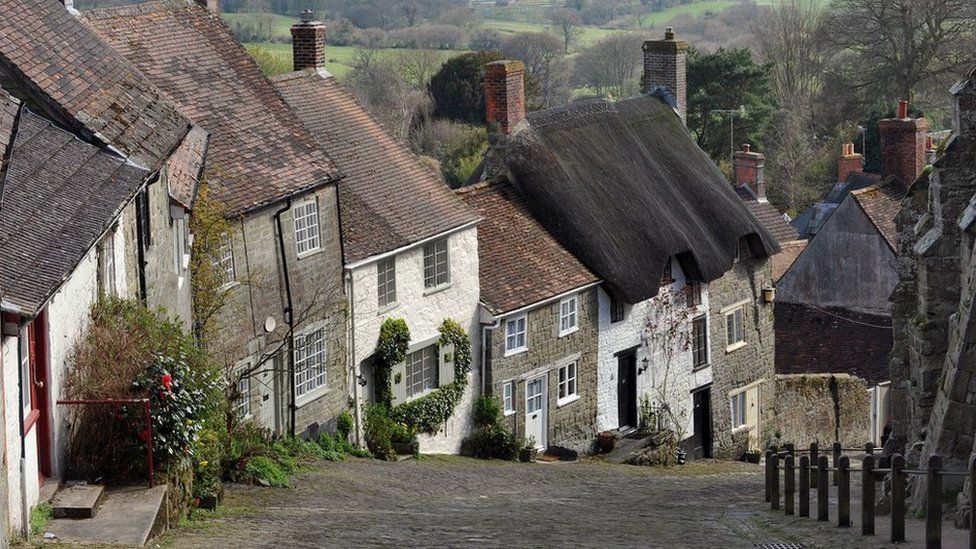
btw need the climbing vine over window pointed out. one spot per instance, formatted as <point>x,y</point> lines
<point>391,349</point>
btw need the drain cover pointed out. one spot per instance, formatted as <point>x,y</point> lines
<point>779,545</point>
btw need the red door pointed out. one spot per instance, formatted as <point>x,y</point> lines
<point>37,410</point>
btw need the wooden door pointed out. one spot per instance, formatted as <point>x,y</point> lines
<point>627,391</point>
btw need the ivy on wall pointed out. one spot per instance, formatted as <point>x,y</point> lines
<point>390,349</point>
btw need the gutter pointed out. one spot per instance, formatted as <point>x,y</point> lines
<point>288,311</point>
<point>395,251</point>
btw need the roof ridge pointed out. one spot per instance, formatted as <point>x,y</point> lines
<point>153,6</point>
<point>479,186</point>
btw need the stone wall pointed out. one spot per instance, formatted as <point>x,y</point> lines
<point>822,408</point>
<point>573,424</point>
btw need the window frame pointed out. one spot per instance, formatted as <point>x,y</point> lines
<point>306,214</point>
<point>618,312</point>
<point>225,258</point>
<point>508,398</point>
<point>737,409</point>
<point>735,337</point>
<point>432,367</point>
<point>242,405</point>
<point>695,294</point>
<point>386,290</point>
<point>306,386</point>
<point>699,343</point>
<point>569,315</point>
<point>432,254</point>
<point>567,379</point>
<point>514,350</point>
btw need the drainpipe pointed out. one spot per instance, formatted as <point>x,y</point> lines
<point>485,343</point>
<point>24,512</point>
<point>350,292</point>
<point>288,311</point>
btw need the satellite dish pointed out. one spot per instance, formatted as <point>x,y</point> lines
<point>270,324</point>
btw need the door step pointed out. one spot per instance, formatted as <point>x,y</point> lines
<point>49,488</point>
<point>77,501</point>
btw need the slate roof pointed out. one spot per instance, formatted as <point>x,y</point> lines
<point>259,153</point>
<point>389,198</point>
<point>809,222</point>
<point>9,107</point>
<point>184,167</point>
<point>881,203</point>
<point>818,341</point>
<point>519,262</point>
<point>69,70</point>
<point>623,186</point>
<point>769,216</point>
<point>60,195</point>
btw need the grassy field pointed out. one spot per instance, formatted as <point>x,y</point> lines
<point>339,60</point>
<point>281,26</point>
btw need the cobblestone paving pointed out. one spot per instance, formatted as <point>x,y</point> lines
<point>451,502</point>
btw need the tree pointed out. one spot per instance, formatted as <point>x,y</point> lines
<point>457,89</point>
<point>611,66</point>
<point>382,86</point>
<point>542,54</point>
<point>567,24</point>
<point>728,80</point>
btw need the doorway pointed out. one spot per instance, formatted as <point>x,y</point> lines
<point>627,391</point>
<point>34,390</point>
<point>535,411</point>
<point>702,418</point>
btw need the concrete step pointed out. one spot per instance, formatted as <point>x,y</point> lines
<point>77,501</point>
<point>127,516</point>
<point>49,488</point>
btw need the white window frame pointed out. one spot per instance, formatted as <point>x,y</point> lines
<point>568,315</point>
<point>512,344</point>
<point>386,289</point>
<point>305,222</point>
<point>25,369</point>
<point>737,407</point>
<point>568,383</point>
<point>508,397</point>
<point>242,406</point>
<point>428,360</point>
<point>735,337</point>
<point>434,259</point>
<point>310,358</point>
<point>224,264</point>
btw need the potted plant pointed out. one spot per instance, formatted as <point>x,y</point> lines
<point>605,441</point>
<point>529,451</point>
<point>752,456</point>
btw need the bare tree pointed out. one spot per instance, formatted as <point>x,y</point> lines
<point>381,86</point>
<point>567,24</point>
<point>667,341</point>
<point>610,67</point>
<point>417,66</point>
<point>544,60</point>
<point>789,39</point>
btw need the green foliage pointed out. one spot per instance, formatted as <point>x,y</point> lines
<point>379,432</point>
<point>268,470</point>
<point>390,349</point>
<point>270,63</point>
<point>490,439</point>
<point>345,424</point>
<point>458,87</point>
<point>460,157</point>
<point>40,516</point>
<point>487,411</point>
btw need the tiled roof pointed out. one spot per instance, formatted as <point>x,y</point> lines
<point>60,195</point>
<point>520,263</point>
<point>184,166</point>
<point>788,253</point>
<point>9,106</point>
<point>882,203</point>
<point>258,152</point>
<point>811,220</point>
<point>819,341</point>
<point>67,68</point>
<point>768,216</point>
<point>388,198</point>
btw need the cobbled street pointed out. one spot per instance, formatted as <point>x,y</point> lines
<point>450,502</point>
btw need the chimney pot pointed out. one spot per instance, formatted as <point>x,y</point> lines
<point>745,147</point>
<point>849,162</point>
<point>665,66</point>
<point>307,16</point>
<point>903,109</point>
<point>308,42</point>
<point>504,95</point>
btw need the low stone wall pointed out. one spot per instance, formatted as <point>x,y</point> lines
<point>822,408</point>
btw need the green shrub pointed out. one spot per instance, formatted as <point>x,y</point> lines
<point>345,424</point>
<point>268,470</point>
<point>379,432</point>
<point>490,439</point>
<point>487,411</point>
<point>40,515</point>
<point>391,348</point>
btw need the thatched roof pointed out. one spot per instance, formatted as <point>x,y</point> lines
<point>624,187</point>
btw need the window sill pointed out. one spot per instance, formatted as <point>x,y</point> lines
<point>228,285</point>
<point>436,289</point>
<point>514,352</point>
<point>570,331</point>
<point>309,253</point>
<point>387,308</point>
<point>311,396</point>
<point>509,413</point>
<point>740,429</point>
<point>735,346</point>
<point>701,367</point>
<point>186,261</point>
<point>568,400</point>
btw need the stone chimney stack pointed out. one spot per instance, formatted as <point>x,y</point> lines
<point>849,162</point>
<point>750,171</point>
<point>308,43</point>
<point>504,95</point>
<point>903,145</point>
<point>212,5</point>
<point>665,66</point>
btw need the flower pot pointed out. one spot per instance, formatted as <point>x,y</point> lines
<point>403,448</point>
<point>209,502</point>
<point>528,454</point>
<point>605,441</point>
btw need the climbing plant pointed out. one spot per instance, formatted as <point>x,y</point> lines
<point>390,349</point>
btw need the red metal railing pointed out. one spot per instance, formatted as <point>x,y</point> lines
<point>123,401</point>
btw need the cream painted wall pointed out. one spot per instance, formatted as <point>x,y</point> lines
<point>423,314</point>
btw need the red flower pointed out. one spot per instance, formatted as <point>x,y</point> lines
<point>167,381</point>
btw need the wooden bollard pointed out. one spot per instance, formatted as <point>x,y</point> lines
<point>814,460</point>
<point>774,483</point>
<point>867,496</point>
<point>972,502</point>
<point>769,465</point>
<point>823,490</point>
<point>789,479</point>
<point>837,452</point>
<point>790,448</point>
<point>844,493</point>
<point>869,448</point>
<point>897,499</point>
<point>933,514</point>
<point>804,486</point>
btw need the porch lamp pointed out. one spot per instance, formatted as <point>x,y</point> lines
<point>769,294</point>
<point>644,364</point>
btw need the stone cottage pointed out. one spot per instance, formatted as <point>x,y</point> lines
<point>683,325</point>
<point>281,332</point>
<point>541,312</point>
<point>98,174</point>
<point>409,245</point>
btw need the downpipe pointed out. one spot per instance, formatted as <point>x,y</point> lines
<point>288,311</point>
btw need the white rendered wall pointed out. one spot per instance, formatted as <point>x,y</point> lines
<point>424,314</point>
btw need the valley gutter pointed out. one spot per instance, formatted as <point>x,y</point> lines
<point>288,311</point>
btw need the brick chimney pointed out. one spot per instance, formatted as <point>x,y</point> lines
<point>212,5</point>
<point>308,42</point>
<point>504,95</point>
<point>849,162</point>
<point>903,145</point>
<point>750,171</point>
<point>665,65</point>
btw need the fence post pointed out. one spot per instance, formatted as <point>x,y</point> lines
<point>837,451</point>
<point>804,486</point>
<point>823,490</point>
<point>869,448</point>
<point>933,515</point>
<point>790,448</point>
<point>972,502</point>
<point>897,499</point>
<point>814,461</point>
<point>867,496</point>
<point>774,483</point>
<point>789,479</point>
<point>844,493</point>
<point>769,465</point>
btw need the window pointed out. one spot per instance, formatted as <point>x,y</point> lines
<point>616,309</point>
<point>25,369</point>
<point>421,374</point>
<point>568,321</point>
<point>436,266</point>
<point>106,264</point>
<point>142,209</point>
<point>309,362</point>
<point>738,405</point>
<point>508,397</point>
<point>699,342</point>
<point>666,277</point>
<point>694,294</point>
<point>734,328</point>
<point>567,383</point>
<point>386,281</point>
<point>515,335</point>
<point>742,250</point>
<point>307,227</point>
<point>225,263</point>
<point>242,405</point>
